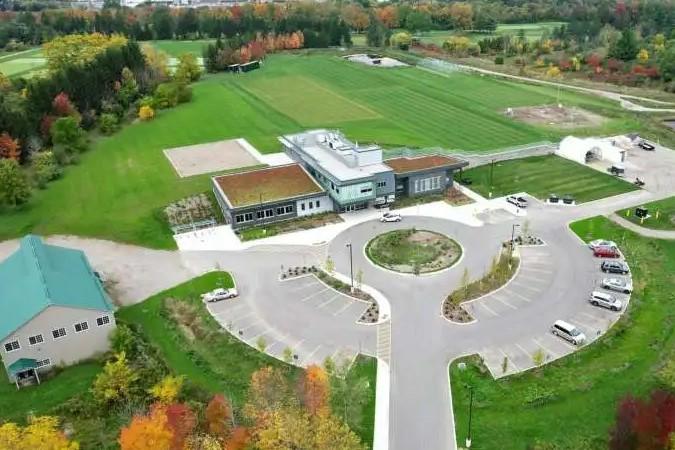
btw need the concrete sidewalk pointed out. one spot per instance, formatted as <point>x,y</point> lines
<point>648,232</point>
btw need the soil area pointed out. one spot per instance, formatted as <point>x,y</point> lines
<point>559,117</point>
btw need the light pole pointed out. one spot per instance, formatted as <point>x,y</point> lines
<point>513,234</point>
<point>468,439</point>
<point>351,265</point>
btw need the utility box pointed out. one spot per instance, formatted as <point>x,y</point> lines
<point>641,212</point>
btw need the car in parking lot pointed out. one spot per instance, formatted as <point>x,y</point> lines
<point>520,202</point>
<point>615,267</point>
<point>605,300</point>
<point>606,252</point>
<point>601,243</point>
<point>219,294</point>
<point>568,332</point>
<point>391,217</point>
<point>617,284</point>
<point>644,145</point>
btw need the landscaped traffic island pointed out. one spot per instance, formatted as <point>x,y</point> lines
<point>413,251</point>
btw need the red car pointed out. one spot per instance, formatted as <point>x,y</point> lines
<point>606,252</point>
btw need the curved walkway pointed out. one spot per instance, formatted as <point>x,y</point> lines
<point>648,232</point>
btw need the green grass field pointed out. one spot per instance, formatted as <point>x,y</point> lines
<point>662,214</point>
<point>220,363</point>
<point>120,186</point>
<point>24,63</point>
<point>176,48</point>
<point>541,176</point>
<point>583,389</point>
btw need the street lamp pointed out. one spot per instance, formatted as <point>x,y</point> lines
<point>351,265</point>
<point>468,439</point>
<point>513,233</point>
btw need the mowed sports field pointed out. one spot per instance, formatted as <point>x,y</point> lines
<point>120,186</point>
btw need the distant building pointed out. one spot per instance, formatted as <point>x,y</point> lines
<point>53,309</point>
<point>268,195</point>
<point>426,174</point>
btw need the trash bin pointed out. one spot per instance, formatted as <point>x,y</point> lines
<point>641,212</point>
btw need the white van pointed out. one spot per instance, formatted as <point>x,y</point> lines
<point>568,332</point>
<point>605,300</point>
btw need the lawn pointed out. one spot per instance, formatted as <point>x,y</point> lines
<point>15,404</point>
<point>175,48</point>
<point>120,186</point>
<point>579,393</point>
<point>219,362</point>
<point>665,209</point>
<point>413,251</point>
<point>24,63</point>
<point>541,176</point>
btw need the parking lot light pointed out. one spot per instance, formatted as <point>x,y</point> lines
<point>513,236</point>
<point>351,266</point>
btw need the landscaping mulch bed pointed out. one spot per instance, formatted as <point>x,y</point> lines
<point>302,223</point>
<point>413,251</point>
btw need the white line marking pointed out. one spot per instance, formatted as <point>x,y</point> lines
<point>343,309</point>
<point>546,349</point>
<point>523,350</point>
<point>238,318</point>
<point>521,296</point>
<point>532,269</point>
<point>510,360</point>
<point>504,302</point>
<point>329,301</point>
<point>308,357</point>
<point>488,309</point>
<point>562,341</point>
<point>313,295</point>
<point>254,323</point>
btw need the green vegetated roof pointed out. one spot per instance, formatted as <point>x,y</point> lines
<point>38,275</point>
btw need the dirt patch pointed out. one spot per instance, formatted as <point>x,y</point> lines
<point>670,123</point>
<point>552,115</point>
<point>211,157</point>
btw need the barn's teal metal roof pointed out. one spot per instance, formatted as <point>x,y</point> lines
<point>38,275</point>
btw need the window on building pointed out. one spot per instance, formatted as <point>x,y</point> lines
<point>58,333</point>
<point>302,206</point>
<point>381,184</point>
<point>260,214</point>
<point>337,190</point>
<point>11,346</point>
<point>280,211</point>
<point>82,326</point>
<point>289,209</point>
<point>311,205</point>
<point>318,204</point>
<point>239,218</point>
<point>332,185</point>
<point>35,340</point>
<point>248,217</point>
<point>366,190</point>
<point>43,363</point>
<point>269,213</point>
<point>103,320</point>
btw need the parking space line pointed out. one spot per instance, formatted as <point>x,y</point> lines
<point>531,279</point>
<point>504,302</point>
<point>532,269</point>
<point>562,341</point>
<point>344,308</point>
<point>524,286</point>
<point>272,344</point>
<point>314,294</point>
<point>488,309</point>
<point>330,300</point>
<point>546,349</point>
<point>308,357</point>
<point>510,360</point>
<point>523,350</point>
<point>237,319</point>
<point>520,296</point>
<point>256,322</point>
<point>263,333</point>
<point>585,324</point>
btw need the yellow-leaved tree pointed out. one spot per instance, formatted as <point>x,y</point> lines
<point>115,382</point>
<point>167,390</point>
<point>40,433</point>
<point>146,113</point>
<point>643,55</point>
<point>78,48</point>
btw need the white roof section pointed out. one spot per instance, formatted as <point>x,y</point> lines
<point>337,155</point>
<point>606,149</point>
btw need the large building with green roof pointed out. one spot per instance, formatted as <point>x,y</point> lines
<point>53,309</point>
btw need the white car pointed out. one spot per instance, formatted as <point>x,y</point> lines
<point>391,217</point>
<point>520,202</point>
<point>605,300</point>
<point>219,294</point>
<point>602,243</point>
<point>568,332</point>
<point>617,284</point>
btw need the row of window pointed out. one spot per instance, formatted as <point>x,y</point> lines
<point>57,333</point>
<point>381,184</point>
<point>264,213</point>
<point>310,204</point>
<point>428,184</point>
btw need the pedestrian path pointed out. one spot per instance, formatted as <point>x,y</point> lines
<point>648,232</point>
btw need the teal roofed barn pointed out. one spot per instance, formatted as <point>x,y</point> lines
<point>53,308</point>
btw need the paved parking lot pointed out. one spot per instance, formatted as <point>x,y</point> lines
<point>303,297</point>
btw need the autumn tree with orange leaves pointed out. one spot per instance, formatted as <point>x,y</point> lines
<point>148,432</point>
<point>218,417</point>
<point>9,148</point>
<point>315,390</point>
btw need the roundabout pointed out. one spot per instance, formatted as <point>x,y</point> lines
<point>413,251</point>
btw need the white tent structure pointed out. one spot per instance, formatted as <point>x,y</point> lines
<point>584,150</point>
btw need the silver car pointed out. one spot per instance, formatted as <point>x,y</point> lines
<point>219,294</point>
<point>605,300</point>
<point>618,285</point>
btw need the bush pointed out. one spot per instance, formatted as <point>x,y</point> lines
<point>146,113</point>
<point>45,168</point>
<point>168,95</point>
<point>499,59</point>
<point>108,123</point>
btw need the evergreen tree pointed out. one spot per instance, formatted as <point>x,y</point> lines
<point>626,48</point>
